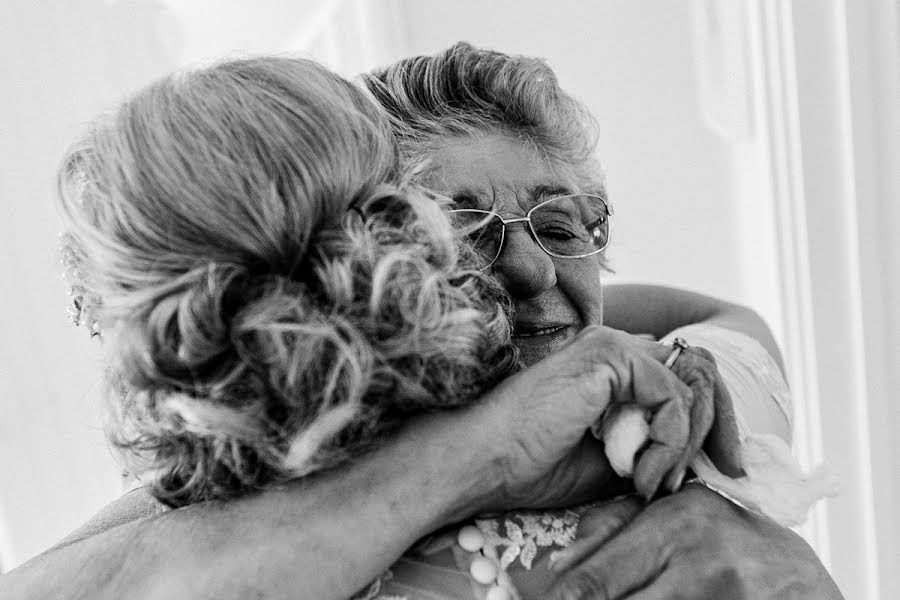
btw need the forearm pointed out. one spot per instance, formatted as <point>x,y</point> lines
<point>322,538</point>
<point>658,310</point>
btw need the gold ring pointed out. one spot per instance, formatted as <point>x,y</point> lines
<point>678,344</point>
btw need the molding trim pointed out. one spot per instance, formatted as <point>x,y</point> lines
<point>780,168</point>
<point>819,137</point>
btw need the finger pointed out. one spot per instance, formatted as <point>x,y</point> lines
<point>671,584</point>
<point>639,378</point>
<point>701,422</point>
<point>687,584</point>
<point>630,561</point>
<point>702,411</point>
<point>697,367</point>
<point>658,350</point>
<point>596,527</point>
<point>611,578</point>
<point>669,434</point>
<point>652,383</point>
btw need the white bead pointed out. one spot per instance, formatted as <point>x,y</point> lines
<point>483,570</point>
<point>470,538</point>
<point>498,593</point>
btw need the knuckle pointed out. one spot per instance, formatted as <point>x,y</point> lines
<point>596,342</point>
<point>591,332</point>
<point>685,393</point>
<point>694,524</point>
<point>700,372</point>
<point>704,354</point>
<point>707,371</point>
<point>728,579</point>
<point>596,335</point>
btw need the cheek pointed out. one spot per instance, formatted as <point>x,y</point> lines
<point>580,280</point>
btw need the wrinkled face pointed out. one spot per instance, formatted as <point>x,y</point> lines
<point>554,297</point>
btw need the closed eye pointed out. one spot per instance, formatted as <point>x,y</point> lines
<point>557,233</point>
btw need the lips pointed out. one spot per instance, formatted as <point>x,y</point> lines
<point>530,330</point>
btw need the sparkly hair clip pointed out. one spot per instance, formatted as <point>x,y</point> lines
<point>76,311</point>
<point>73,311</point>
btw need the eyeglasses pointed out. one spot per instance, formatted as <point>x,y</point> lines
<point>573,226</point>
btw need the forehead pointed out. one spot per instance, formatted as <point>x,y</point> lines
<point>492,168</point>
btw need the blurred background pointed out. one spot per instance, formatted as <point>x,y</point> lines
<point>751,149</point>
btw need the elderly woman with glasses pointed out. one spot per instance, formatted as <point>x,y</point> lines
<point>515,154</point>
<point>305,323</point>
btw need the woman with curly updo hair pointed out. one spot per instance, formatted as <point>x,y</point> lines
<point>274,294</point>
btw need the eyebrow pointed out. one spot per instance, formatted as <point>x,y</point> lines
<point>536,195</point>
<point>545,192</point>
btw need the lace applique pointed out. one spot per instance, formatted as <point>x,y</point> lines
<point>519,535</point>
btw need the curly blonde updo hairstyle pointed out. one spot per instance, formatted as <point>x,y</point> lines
<point>276,297</point>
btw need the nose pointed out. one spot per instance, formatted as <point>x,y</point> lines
<point>522,267</point>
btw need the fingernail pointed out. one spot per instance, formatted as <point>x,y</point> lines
<point>676,483</point>
<point>648,497</point>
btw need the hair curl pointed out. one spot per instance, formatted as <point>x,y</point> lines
<point>260,329</point>
<point>465,91</point>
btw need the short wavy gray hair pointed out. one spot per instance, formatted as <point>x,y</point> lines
<point>466,91</point>
<point>261,330</point>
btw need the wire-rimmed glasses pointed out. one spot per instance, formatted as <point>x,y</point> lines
<point>571,226</point>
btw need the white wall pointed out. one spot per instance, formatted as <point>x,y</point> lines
<point>59,68</point>
<point>848,72</point>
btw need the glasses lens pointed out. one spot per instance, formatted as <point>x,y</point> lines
<point>482,229</point>
<point>572,225</point>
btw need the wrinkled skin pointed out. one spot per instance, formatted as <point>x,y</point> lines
<point>597,363</point>
<point>562,297</point>
<point>497,173</point>
<point>693,545</point>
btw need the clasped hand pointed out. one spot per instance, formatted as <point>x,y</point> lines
<point>544,413</point>
<point>692,544</point>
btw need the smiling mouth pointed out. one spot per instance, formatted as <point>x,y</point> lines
<point>529,332</point>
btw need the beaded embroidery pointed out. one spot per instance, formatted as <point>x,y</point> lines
<point>519,535</point>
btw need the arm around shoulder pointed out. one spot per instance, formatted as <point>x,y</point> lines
<point>658,310</point>
<point>326,537</point>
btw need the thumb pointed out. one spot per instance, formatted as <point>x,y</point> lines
<point>597,526</point>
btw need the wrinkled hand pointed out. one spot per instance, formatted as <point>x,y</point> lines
<point>693,545</point>
<point>540,418</point>
<point>712,410</point>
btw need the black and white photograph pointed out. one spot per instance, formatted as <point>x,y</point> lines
<point>450,300</point>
